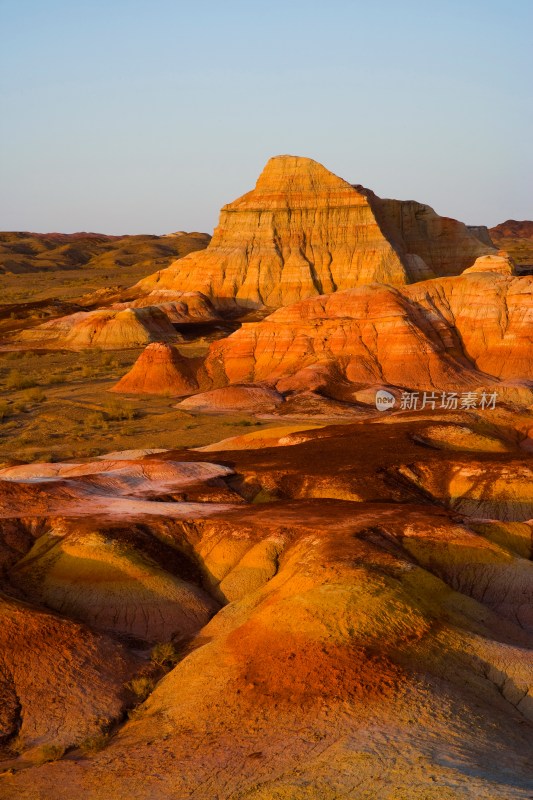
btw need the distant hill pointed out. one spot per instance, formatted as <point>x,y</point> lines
<point>514,228</point>
<point>515,236</point>
<point>24,252</point>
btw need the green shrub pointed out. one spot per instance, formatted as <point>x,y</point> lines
<point>95,420</point>
<point>16,380</point>
<point>164,655</point>
<point>141,687</point>
<point>49,752</point>
<point>114,410</point>
<point>109,360</point>
<point>87,371</point>
<point>57,377</point>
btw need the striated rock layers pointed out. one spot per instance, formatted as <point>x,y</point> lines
<point>303,231</point>
<point>108,329</point>
<point>500,262</point>
<point>234,398</point>
<point>517,238</point>
<point>160,369</point>
<point>357,623</point>
<point>190,307</point>
<point>451,333</point>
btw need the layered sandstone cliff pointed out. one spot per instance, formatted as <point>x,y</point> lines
<point>303,231</point>
<point>450,333</point>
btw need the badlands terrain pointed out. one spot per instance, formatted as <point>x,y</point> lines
<point>227,573</point>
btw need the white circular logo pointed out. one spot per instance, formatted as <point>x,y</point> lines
<point>384,400</point>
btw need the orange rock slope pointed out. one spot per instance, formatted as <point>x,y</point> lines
<point>160,369</point>
<point>452,333</point>
<point>303,231</point>
<point>370,632</point>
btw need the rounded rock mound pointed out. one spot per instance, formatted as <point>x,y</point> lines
<point>233,398</point>
<point>108,329</point>
<point>160,369</point>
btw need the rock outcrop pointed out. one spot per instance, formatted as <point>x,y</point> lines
<point>111,584</point>
<point>111,489</point>
<point>359,602</point>
<point>191,307</point>
<point>450,334</point>
<point>107,329</point>
<point>501,263</point>
<point>303,231</point>
<point>160,369</point>
<point>252,399</point>
<point>59,681</point>
<point>517,238</point>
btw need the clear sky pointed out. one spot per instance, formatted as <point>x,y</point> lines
<point>130,116</point>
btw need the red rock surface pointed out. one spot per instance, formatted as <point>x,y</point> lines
<point>513,228</point>
<point>160,369</point>
<point>372,631</point>
<point>59,681</point>
<point>516,237</point>
<point>254,399</point>
<point>449,334</point>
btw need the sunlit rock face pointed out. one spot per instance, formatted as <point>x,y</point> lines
<point>160,369</point>
<point>362,588</point>
<point>107,329</point>
<point>233,399</point>
<point>303,231</point>
<point>501,262</point>
<point>450,334</point>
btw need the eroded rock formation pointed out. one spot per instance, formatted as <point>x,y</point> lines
<point>160,369</point>
<point>453,333</point>
<point>372,631</point>
<point>303,231</point>
<point>517,238</point>
<point>107,329</point>
<point>253,399</point>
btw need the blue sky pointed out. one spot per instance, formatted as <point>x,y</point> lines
<point>131,116</point>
